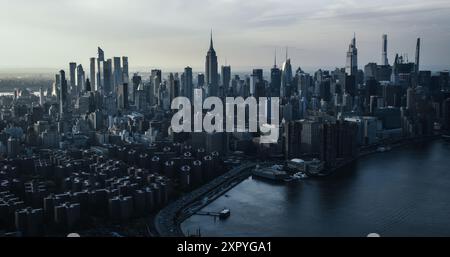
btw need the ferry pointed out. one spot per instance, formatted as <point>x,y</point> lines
<point>272,173</point>
<point>225,213</point>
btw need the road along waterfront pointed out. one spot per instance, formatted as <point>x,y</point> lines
<point>168,220</point>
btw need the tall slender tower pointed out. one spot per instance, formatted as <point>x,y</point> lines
<point>212,76</point>
<point>351,67</point>
<point>384,58</point>
<point>92,72</point>
<point>100,60</point>
<point>63,93</point>
<point>417,55</point>
<point>275,78</point>
<point>72,77</point>
<point>286,77</point>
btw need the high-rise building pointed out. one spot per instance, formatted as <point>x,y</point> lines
<point>100,64</point>
<point>122,96</point>
<point>136,80</point>
<point>80,79</point>
<point>292,139</point>
<point>200,80</point>
<point>275,79</point>
<point>286,77</point>
<point>92,75</point>
<point>72,77</point>
<point>155,80</point>
<point>212,76</point>
<point>187,88</point>
<point>384,58</point>
<point>417,56</point>
<point>125,72</point>
<point>107,77</point>
<point>351,67</point>
<point>63,98</point>
<point>225,76</point>
<point>117,78</point>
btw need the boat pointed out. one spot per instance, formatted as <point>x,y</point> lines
<point>272,173</point>
<point>225,213</point>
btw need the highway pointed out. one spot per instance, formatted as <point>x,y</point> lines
<point>168,220</point>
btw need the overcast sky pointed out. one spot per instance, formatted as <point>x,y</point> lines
<point>172,34</point>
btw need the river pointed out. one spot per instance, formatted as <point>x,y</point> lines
<point>404,192</point>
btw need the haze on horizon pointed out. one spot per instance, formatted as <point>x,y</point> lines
<point>172,34</point>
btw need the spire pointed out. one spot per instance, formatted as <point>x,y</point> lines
<point>211,42</point>
<point>354,39</point>
<point>275,59</point>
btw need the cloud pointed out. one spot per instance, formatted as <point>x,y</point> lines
<point>175,32</point>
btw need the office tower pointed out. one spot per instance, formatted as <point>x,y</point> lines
<point>92,75</point>
<point>125,74</point>
<point>100,64</point>
<point>80,79</point>
<point>225,76</point>
<point>292,139</point>
<point>13,147</point>
<point>211,72</point>
<point>41,96</point>
<point>117,77</point>
<point>286,77</point>
<point>107,77</point>
<point>72,82</point>
<point>187,89</point>
<point>304,84</point>
<point>310,137</point>
<point>155,80</point>
<point>174,86</point>
<point>63,93</point>
<point>410,99</point>
<point>140,98</point>
<point>122,96</point>
<point>351,67</point>
<point>200,80</point>
<point>88,87</point>
<point>370,71</point>
<point>275,79</point>
<point>136,82</point>
<point>417,56</point>
<point>384,58</point>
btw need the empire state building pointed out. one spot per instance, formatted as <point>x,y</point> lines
<point>212,76</point>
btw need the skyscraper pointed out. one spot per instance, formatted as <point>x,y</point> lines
<point>275,79</point>
<point>80,79</point>
<point>92,73</point>
<point>351,67</point>
<point>117,78</point>
<point>107,76</point>
<point>72,82</point>
<point>384,58</point>
<point>187,87</point>
<point>122,96</point>
<point>286,77</point>
<point>100,60</point>
<point>417,56</point>
<point>125,74</point>
<point>211,72</point>
<point>63,93</point>
<point>226,76</point>
<point>155,80</point>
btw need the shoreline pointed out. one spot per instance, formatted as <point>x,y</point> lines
<point>168,221</point>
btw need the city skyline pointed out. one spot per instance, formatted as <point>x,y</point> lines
<point>242,43</point>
